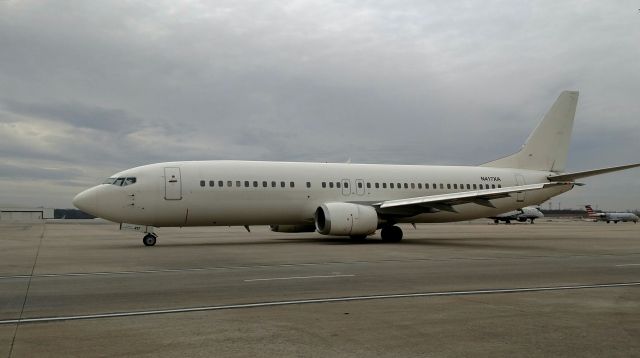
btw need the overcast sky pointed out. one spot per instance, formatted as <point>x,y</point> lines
<point>89,88</point>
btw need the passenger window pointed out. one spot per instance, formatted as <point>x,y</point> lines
<point>426,185</point>
<point>324,184</point>
<point>308,184</point>
<point>368,185</point>
<point>468,187</point>
<point>346,185</point>
<point>406,186</point>
<point>413,185</point>
<point>493,186</point>
<point>391,186</point>
<point>448,186</point>
<point>264,184</point>
<point>221,183</point>
<point>201,182</point>
<point>211,182</point>
<point>246,183</point>
<point>399,186</point>
<point>330,184</point>
<point>255,184</point>
<point>292,184</point>
<point>474,187</point>
<point>238,183</point>
<point>282,184</point>
<point>455,186</point>
<point>359,185</point>
<point>377,185</point>
<point>273,184</point>
<point>480,185</point>
<point>338,185</point>
<point>499,186</point>
<point>384,185</point>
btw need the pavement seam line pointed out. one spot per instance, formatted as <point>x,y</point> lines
<point>26,294</point>
<point>318,300</point>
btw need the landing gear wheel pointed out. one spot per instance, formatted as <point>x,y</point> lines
<point>496,221</point>
<point>149,240</point>
<point>391,234</point>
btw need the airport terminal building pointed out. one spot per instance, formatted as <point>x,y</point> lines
<point>25,214</point>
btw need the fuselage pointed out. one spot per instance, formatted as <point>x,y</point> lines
<point>210,193</point>
<point>624,217</point>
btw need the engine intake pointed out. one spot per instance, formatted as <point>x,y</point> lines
<point>346,219</point>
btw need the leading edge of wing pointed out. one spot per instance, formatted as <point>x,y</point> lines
<point>466,196</point>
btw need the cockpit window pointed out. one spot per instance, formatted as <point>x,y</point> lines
<point>120,181</point>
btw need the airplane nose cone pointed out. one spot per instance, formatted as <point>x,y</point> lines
<point>86,201</point>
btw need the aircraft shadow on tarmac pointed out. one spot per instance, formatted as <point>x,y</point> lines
<point>467,243</point>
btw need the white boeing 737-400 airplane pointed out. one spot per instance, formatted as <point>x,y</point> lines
<point>340,199</point>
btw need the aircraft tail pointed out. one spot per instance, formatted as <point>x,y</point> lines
<point>548,145</point>
<point>590,211</point>
<point>592,214</point>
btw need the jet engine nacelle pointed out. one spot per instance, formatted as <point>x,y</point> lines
<point>346,219</point>
<point>292,228</point>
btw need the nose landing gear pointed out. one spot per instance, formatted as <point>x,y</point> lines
<point>149,239</point>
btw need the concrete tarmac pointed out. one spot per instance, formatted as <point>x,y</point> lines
<point>84,288</point>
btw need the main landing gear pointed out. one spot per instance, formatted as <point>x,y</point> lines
<point>149,239</point>
<point>391,234</point>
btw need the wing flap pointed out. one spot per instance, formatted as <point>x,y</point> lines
<point>447,201</point>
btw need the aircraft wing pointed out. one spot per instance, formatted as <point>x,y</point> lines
<point>446,202</point>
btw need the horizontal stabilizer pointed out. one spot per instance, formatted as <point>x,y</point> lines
<point>588,173</point>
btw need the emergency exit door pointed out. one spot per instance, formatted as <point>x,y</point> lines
<point>520,195</point>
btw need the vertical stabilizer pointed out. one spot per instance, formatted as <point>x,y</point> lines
<point>548,145</point>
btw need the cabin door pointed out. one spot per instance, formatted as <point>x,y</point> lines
<point>172,184</point>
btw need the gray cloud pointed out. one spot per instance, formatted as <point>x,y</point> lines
<point>102,86</point>
<point>76,114</point>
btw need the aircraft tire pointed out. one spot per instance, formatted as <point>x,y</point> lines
<point>149,240</point>
<point>496,221</point>
<point>358,238</point>
<point>391,234</point>
<point>507,222</point>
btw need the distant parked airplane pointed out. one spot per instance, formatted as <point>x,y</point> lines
<point>527,213</point>
<point>340,199</point>
<point>610,216</point>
